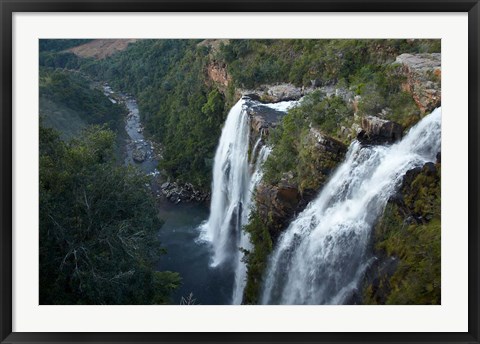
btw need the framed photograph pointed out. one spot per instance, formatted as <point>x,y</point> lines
<point>268,171</point>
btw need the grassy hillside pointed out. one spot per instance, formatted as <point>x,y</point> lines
<point>68,103</point>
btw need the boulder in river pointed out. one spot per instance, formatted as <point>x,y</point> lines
<point>139,154</point>
<point>176,193</point>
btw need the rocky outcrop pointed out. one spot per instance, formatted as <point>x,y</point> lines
<point>258,122</point>
<point>284,92</point>
<point>176,193</point>
<point>335,91</point>
<point>278,204</point>
<point>325,144</point>
<point>274,93</point>
<point>423,73</point>
<point>379,131</point>
<point>217,72</point>
<point>262,119</point>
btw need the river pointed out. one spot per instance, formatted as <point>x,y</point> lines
<point>179,235</point>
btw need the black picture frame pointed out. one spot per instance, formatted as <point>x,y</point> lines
<point>8,7</point>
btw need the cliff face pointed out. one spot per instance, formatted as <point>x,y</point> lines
<point>278,203</point>
<point>423,73</point>
<point>263,119</point>
<point>379,131</point>
<point>217,72</point>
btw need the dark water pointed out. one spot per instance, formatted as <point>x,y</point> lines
<point>180,232</point>
<point>191,257</point>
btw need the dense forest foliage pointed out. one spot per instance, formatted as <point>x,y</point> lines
<point>253,62</point>
<point>98,226</point>
<point>98,221</point>
<point>178,107</point>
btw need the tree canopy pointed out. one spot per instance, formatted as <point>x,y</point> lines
<point>98,226</point>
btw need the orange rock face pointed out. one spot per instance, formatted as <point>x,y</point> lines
<point>423,73</point>
<point>217,72</point>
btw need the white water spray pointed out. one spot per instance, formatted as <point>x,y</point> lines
<point>234,181</point>
<point>322,255</point>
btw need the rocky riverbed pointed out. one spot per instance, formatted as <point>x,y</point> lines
<point>145,153</point>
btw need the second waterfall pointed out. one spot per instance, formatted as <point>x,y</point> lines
<point>234,180</point>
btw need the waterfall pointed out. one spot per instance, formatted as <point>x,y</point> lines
<point>256,145</point>
<point>241,269</point>
<point>322,255</point>
<point>230,186</point>
<point>234,181</point>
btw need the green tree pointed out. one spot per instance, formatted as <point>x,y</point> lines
<point>98,226</point>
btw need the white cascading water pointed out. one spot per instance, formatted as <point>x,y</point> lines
<point>234,181</point>
<point>241,269</point>
<point>321,257</point>
<point>229,187</point>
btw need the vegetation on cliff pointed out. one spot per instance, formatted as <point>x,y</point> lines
<point>299,61</point>
<point>294,150</point>
<point>410,231</point>
<point>367,84</point>
<point>256,259</point>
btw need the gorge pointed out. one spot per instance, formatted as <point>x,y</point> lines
<point>282,171</point>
